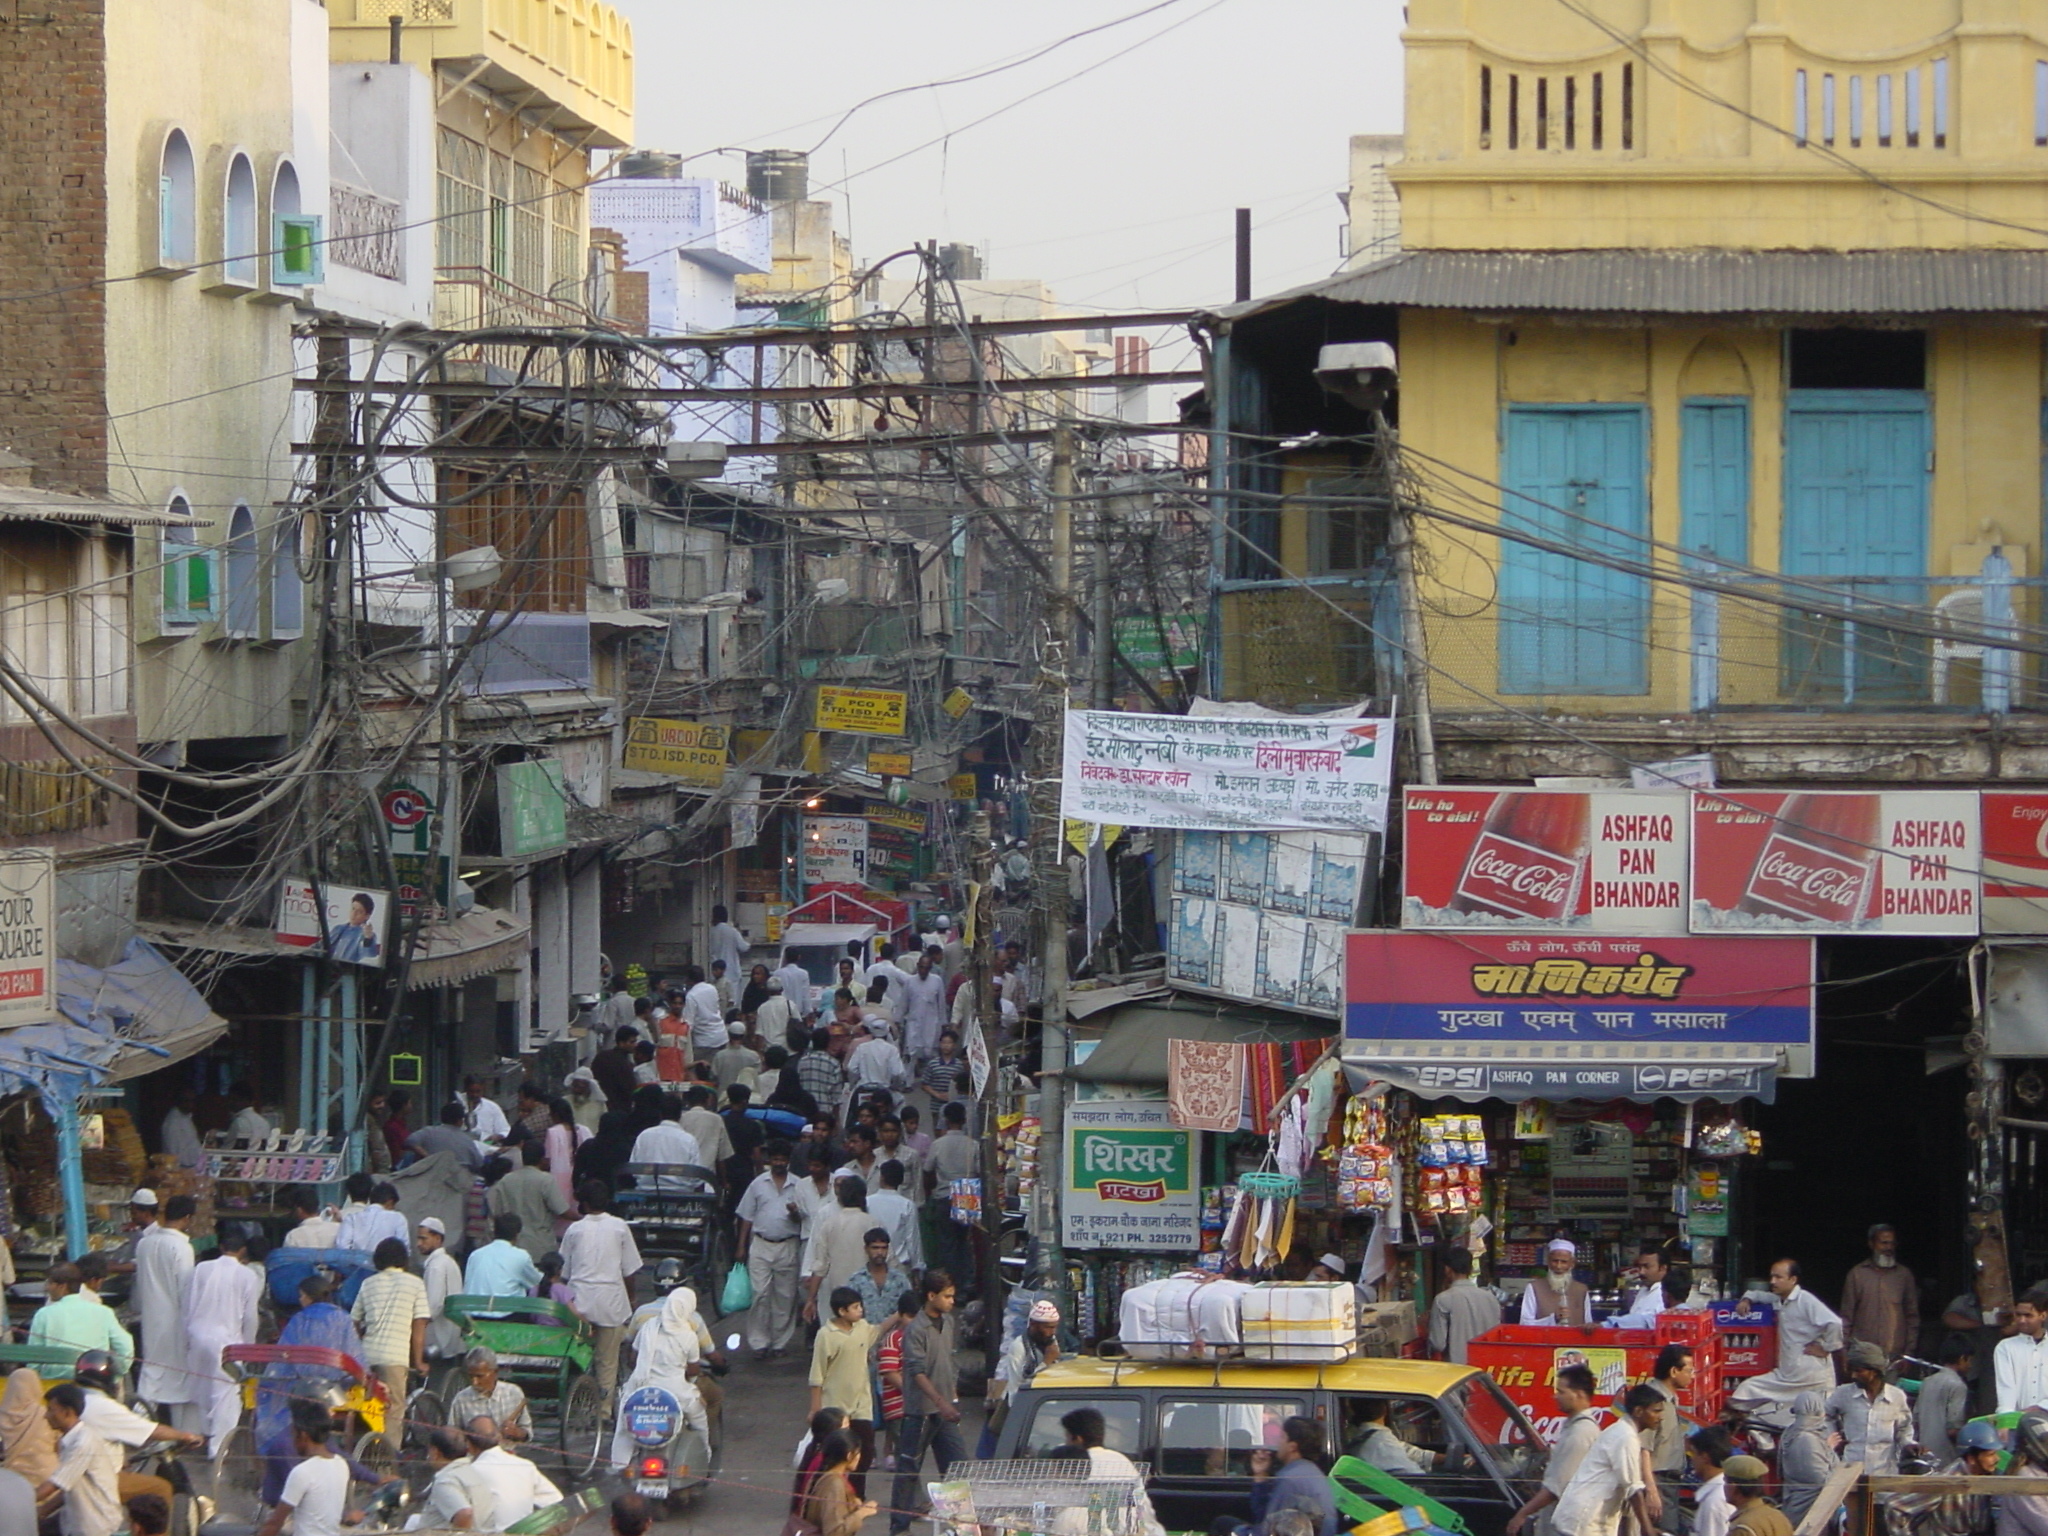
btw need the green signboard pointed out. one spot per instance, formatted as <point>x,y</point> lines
<point>1139,641</point>
<point>533,808</point>
<point>1130,1178</point>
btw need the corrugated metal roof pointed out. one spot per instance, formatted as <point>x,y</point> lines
<point>28,504</point>
<point>1696,282</point>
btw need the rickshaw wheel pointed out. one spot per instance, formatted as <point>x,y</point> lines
<point>239,1463</point>
<point>376,1451</point>
<point>424,1411</point>
<point>582,1425</point>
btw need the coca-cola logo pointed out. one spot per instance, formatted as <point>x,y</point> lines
<point>1831,884</point>
<point>1538,881</point>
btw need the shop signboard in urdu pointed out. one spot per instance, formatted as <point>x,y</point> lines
<point>1261,916</point>
<point>28,937</point>
<point>868,711</point>
<point>1836,861</point>
<point>1224,773</point>
<point>2015,861</point>
<point>1130,1179</point>
<point>687,750</point>
<point>533,808</point>
<point>1604,861</point>
<point>1515,1016</point>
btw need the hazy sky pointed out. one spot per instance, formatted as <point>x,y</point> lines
<point>1115,187</point>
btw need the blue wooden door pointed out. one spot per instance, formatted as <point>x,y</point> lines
<point>1856,511</point>
<point>1574,475</point>
<point>1713,479</point>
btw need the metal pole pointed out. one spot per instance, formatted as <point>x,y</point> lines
<point>1414,640</point>
<point>70,1167</point>
<point>1244,254</point>
<point>1049,873</point>
<point>1103,596</point>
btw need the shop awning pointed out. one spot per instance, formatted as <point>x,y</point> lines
<point>1133,1048</point>
<point>1636,1070</point>
<point>480,941</point>
<point>136,1016</point>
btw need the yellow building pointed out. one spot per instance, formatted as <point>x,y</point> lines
<point>1740,298</point>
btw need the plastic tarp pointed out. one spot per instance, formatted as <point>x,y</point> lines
<point>137,1015</point>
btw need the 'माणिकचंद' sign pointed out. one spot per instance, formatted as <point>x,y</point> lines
<point>1130,1178</point>
<point>1221,773</point>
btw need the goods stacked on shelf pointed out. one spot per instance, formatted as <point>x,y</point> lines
<point>1749,1338</point>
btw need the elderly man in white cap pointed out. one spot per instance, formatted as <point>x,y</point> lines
<point>875,1062</point>
<point>1023,1358</point>
<point>444,1279</point>
<point>1332,1268</point>
<point>1554,1296</point>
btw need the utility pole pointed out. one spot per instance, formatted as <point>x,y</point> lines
<point>980,964</point>
<point>1414,640</point>
<point>1048,848</point>
<point>1103,599</point>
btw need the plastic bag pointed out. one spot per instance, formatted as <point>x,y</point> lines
<point>738,1294</point>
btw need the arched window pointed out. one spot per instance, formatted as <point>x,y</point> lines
<point>297,251</point>
<point>177,203</point>
<point>238,224</point>
<point>187,573</point>
<point>287,588</point>
<point>245,575</point>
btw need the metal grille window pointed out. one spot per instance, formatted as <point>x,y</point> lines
<point>464,203</point>
<point>529,225</point>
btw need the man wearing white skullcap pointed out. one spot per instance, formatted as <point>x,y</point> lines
<point>1554,1296</point>
<point>1023,1358</point>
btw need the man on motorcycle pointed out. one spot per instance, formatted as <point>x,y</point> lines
<point>711,1362</point>
<point>123,1426</point>
<point>1979,1449</point>
<point>667,1349</point>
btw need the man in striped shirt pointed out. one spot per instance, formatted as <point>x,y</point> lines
<point>391,1310</point>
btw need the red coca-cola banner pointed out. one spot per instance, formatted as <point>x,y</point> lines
<point>1835,861</point>
<point>2015,861</point>
<point>1543,860</point>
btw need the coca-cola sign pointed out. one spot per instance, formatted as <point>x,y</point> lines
<point>1542,860</point>
<point>2015,861</point>
<point>1836,861</point>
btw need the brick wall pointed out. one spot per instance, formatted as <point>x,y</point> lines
<point>53,235</point>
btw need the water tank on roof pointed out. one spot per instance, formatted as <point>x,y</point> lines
<point>779,175</point>
<point>961,263</point>
<point>642,164</point>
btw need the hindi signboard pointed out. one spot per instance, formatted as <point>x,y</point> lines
<point>1608,861</point>
<point>1223,774</point>
<point>28,936</point>
<point>835,850</point>
<point>1130,1181</point>
<point>533,808</point>
<point>1835,861</point>
<point>687,750</point>
<point>868,711</point>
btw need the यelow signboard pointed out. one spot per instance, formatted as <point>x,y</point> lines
<point>1219,773</point>
<point>868,711</point>
<point>1513,992</point>
<point>1130,1180</point>
<point>1836,861</point>
<point>28,937</point>
<point>682,749</point>
<point>1545,860</point>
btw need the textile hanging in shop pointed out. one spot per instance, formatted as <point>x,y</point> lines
<point>1274,1067</point>
<point>1205,1084</point>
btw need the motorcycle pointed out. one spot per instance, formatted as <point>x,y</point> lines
<point>673,1452</point>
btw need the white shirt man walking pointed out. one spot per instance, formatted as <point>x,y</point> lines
<point>1610,1480</point>
<point>599,1260</point>
<point>163,1267</point>
<point>771,1246</point>
<point>703,1014</point>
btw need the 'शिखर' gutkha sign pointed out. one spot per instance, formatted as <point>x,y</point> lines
<point>1225,774</point>
<point>1130,1179</point>
<point>868,711</point>
<point>682,749</point>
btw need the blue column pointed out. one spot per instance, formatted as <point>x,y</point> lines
<point>61,1099</point>
<point>351,1075</point>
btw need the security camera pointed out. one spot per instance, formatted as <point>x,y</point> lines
<point>1360,373</point>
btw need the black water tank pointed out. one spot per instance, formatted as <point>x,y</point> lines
<point>779,175</point>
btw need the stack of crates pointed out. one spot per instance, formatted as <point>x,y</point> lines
<point>1749,1339</point>
<point>1696,1331</point>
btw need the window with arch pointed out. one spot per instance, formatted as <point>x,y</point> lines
<point>297,249</point>
<point>188,583</point>
<point>244,575</point>
<point>238,224</point>
<point>287,586</point>
<point>177,203</point>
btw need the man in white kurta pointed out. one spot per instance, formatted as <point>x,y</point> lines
<point>1809,1335</point>
<point>163,1266</point>
<point>1611,1475</point>
<point>220,1309</point>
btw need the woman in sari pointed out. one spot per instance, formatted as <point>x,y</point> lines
<point>318,1324</point>
<point>27,1440</point>
<point>833,1508</point>
<point>564,1137</point>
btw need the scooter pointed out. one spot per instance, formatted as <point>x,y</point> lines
<point>672,1459</point>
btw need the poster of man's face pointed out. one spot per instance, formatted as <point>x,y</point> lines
<point>353,925</point>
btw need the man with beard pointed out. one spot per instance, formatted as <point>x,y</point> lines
<point>1554,1296</point>
<point>1880,1300</point>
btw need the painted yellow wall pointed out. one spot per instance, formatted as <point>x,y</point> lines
<point>1702,172</point>
<point>198,383</point>
<point>1459,374</point>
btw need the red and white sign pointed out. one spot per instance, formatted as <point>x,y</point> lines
<point>2015,861</point>
<point>28,937</point>
<point>1544,860</point>
<point>1835,861</point>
